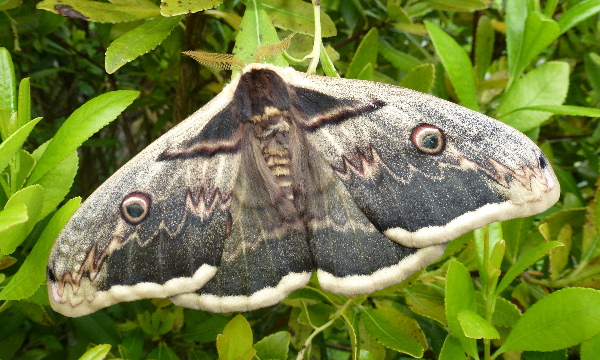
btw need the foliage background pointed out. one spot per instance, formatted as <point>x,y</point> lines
<point>500,57</point>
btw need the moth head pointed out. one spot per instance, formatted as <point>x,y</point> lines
<point>135,207</point>
<point>428,139</point>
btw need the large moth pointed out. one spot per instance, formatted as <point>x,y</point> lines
<point>284,173</point>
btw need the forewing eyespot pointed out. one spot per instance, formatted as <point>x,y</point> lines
<point>428,139</point>
<point>135,207</point>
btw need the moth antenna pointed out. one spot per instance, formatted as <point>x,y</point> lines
<point>215,60</point>
<point>272,49</point>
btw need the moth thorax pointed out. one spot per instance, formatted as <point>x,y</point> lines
<point>273,134</point>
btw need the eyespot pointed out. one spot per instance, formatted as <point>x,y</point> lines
<point>428,139</point>
<point>135,207</point>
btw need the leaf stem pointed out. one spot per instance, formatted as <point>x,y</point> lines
<point>322,328</point>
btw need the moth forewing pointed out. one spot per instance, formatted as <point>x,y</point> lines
<point>283,173</point>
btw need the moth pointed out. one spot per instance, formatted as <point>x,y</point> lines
<point>284,173</point>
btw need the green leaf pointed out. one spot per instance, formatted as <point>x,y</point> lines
<point>515,232</point>
<point>24,104</point>
<point>8,93</point>
<point>426,301</point>
<point>457,65</point>
<point>14,142</point>
<point>274,346</point>
<point>138,41</point>
<point>484,46</point>
<point>562,319</point>
<point>420,78</point>
<point>459,5</point>
<point>460,295</point>
<point>133,345</point>
<point>96,11</point>
<point>33,198</point>
<point>256,29</point>
<point>366,73</point>
<point>559,256</point>
<point>181,7</point>
<point>98,327</point>
<point>516,14</point>
<point>327,63</point>
<point>452,349</point>
<point>31,274</point>
<point>298,16</point>
<point>57,182</point>
<point>578,13</point>
<point>475,327</point>
<point>388,326</point>
<point>524,262</point>
<point>365,54</point>
<point>364,340</point>
<point>163,352</point>
<point>9,4</point>
<point>546,85</point>
<point>538,34</point>
<point>13,215</point>
<point>83,123</point>
<point>566,110</point>
<point>506,314</point>
<point>400,60</point>
<point>590,348</point>
<point>492,234</point>
<point>206,330</point>
<point>98,352</point>
<point>25,165</point>
<point>236,341</point>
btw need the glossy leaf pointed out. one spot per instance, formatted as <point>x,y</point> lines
<point>564,318</point>
<point>138,41</point>
<point>24,103</point>
<point>8,93</point>
<point>365,54</point>
<point>452,349</point>
<point>96,11</point>
<point>590,348</point>
<point>180,7</point>
<point>475,327</point>
<point>11,145</point>
<point>57,182</point>
<point>274,346</point>
<point>33,198</point>
<point>484,46</point>
<point>236,340</point>
<point>457,65</point>
<point>426,301</point>
<point>31,275</point>
<point>420,78</point>
<point>12,215</point>
<point>98,352</point>
<point>578,13</point>
<point>297,16</point>
<point>163,352</point>
<point>460,295</point>
<point>525,261</point>
<point>83,123</point>
<point>400,60</point>
<point>546,85</point>
<point>566,110</point>
<point>256,30</point>
<point>385,326</point>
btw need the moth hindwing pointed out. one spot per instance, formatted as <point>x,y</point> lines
<point>283,173</point>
